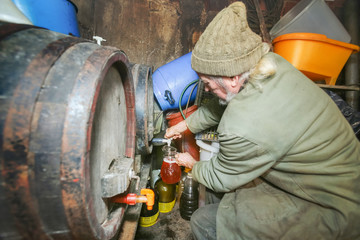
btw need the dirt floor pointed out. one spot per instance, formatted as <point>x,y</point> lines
<point>168,226</point>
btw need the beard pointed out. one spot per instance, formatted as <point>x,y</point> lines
<point>229,97</point>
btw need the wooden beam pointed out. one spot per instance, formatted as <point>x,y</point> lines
<point>264,32</point>
<point>132,215</point>
<point>339,87</point>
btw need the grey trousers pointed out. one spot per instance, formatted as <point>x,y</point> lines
<point>203,220</point>
<point>269,213</point>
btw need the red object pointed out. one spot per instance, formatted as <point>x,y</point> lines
<point>170,172</point>
<point>187,142</point>
<point>128,199</point>
<point>132,198</point>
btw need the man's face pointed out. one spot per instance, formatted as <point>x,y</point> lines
<point>212,86</point>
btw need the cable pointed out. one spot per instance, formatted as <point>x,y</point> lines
<point>189,98</point>
<point>182,94</point>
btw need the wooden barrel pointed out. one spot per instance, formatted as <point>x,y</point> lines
<point>144,102</point>
<point>67,110</point>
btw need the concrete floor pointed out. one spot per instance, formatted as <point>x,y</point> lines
<point>169,226</point>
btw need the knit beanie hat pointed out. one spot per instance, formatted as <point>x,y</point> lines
<point>228,47</point>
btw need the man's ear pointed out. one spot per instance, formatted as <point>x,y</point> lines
<point>234,80</point>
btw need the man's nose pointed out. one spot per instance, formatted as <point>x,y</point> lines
<point>207,89</point>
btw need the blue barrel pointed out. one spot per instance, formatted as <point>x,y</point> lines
<point>55,15</point>
<point>170,80</point>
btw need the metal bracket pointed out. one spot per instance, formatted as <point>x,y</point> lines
<point>169,97</point>
<point>117,178</point>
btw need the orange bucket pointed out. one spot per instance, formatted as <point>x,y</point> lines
<point>187,143</point>
<point>315,55</point>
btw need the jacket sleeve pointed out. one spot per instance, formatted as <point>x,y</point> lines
<point>238,162</point>
<point>206,116</point>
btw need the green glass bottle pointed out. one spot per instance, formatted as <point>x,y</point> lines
<point>166,194</point>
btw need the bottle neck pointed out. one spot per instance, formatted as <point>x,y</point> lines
<point>169,160</point>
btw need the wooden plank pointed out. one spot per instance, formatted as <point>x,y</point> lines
<point>132,215</point>
<point>264,33</point>
<point>340,87</point>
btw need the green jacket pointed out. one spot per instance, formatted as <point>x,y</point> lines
<point>291,135</point>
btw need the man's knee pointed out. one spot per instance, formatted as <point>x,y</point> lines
<point>203,222</point>
<point>197,218</point>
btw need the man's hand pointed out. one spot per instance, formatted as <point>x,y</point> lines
<point>176,131</point>
<point>185,159</point>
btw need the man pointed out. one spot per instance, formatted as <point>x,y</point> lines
<point>288,160</point>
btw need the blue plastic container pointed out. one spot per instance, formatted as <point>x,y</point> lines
<point>171,79</point>
<point>55,15</point>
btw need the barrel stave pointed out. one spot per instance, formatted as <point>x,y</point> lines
<point>144,95</point>
<point>57,95</point>
<point>19,93</point>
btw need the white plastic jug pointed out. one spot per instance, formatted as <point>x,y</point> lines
<point>207,149</point>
